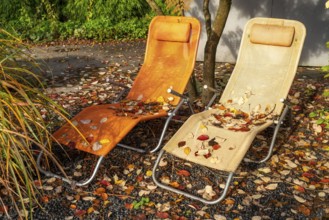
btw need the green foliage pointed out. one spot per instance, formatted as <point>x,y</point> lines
<point>46,20</point>
<point>138,204</point>
<point>321,117</point>
<point>22,124</point>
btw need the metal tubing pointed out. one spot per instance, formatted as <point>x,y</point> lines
<point>80,183</point>
<point>139,150</point>
<point>171,114</point>
<point>171,91</point>
<point>275,134</point>
<point>213,98</point>
<point>189,195</point>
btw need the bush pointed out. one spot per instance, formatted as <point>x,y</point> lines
<point>44,20</point>
<point>23,126</point>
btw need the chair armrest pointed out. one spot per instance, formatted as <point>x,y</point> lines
<point>118,84</point>
<point>213,98</point>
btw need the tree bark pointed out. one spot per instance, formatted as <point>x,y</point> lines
<point>155,7</point>
<point>214,32</point>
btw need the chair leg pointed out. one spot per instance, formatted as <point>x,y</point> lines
<point>80,183</point>
<point>275,134</point>
<point>189,195</point>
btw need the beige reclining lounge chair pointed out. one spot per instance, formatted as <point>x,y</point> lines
<point>253,99</point>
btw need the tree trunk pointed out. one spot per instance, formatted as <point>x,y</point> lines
<point>155,7</point>
<point>213,35</point>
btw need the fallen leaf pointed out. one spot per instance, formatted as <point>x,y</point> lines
<point>272,186</point>
<point>149,173</point>
<point>181,143</point>
<point>203,137</point>
<point>104,141</point>
<point>299,199</point>
<point>216,147</point>
<point>183,173</point>
<point>229,202</point>
<point>85,121</point>
<point>303,209</point>
<point>162,215</point>
<point>143,192</point>
<point>80,213</point>
<point>99,191</point>
<point>207,192</point>
<point>88,198</point>
<point>187,151</point>
<point>174,184</point>
<point>90,210</point>
<point>291,164</point>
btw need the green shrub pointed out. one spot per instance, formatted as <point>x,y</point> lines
<point>22,124</point>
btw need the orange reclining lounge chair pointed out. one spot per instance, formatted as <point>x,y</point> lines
<point>253,99</point>
<point>156,92</point>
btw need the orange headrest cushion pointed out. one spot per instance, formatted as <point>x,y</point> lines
<point>174,32</point>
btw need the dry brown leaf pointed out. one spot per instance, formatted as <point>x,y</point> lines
<point>299,199</point>
<point>272,186</point>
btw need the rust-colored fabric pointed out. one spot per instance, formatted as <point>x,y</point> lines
<point>100,124</point>
<point>177,32</point>
<point>169,62</point>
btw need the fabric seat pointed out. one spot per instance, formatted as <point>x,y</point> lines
<point>253,99</point>
<point>157,92</point>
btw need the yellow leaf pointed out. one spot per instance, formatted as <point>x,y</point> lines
<point>104,141</point>
<point>131,166</point>
<point>90,210</point>
<point>118,182</point>
<point>187,151</point>
<point>327,4</point>
<point>149,173</point>
<point>160,99</point>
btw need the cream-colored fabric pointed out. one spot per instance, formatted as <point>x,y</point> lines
<point>233,145</point>
<point>276,35</point>
<point>262,76</point>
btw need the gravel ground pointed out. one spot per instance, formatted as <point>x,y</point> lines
<point>293,184</point>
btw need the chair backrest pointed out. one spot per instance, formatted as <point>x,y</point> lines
<point>266,66</point>
<point>169,58</point>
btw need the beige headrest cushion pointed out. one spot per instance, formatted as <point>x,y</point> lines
<point>174,32</point>
<point>275,35</point>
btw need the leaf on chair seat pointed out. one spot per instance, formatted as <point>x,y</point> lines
<point>170,99</point>
<point>85,121</point>
<point>104,141</point>
<point>181,143</point>
<point>160,99</point>
<point>216,147</point>
<point>187,150</point>
<point>97,146</point>
<point>103,120</point>
<point>203,137</point>
<point>90,138</point>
